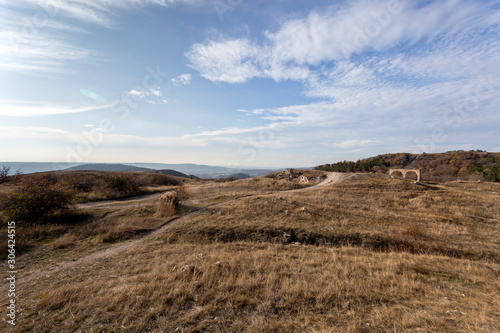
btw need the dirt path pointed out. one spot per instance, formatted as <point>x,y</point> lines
<point>332,178</point>
<point>120,203</point>
<point>106,252</point>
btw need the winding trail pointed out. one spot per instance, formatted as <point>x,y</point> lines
<point>332,178</point>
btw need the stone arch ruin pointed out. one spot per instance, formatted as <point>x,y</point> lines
<point>405,171</point>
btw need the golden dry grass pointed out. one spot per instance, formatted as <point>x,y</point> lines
<point>370,210</point>
<point>255,287</point>
<point>384,255</point>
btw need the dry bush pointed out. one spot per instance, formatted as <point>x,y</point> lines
<point>122,183</point>
<point>37,200</point>
<point>80,181</point>
<point>64,242</point>
<point>150,179</point>
<point>414,230</point>
<point>4,174</point>
<point>167,204</point>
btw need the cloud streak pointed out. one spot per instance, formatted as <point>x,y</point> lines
<point>34,35</point>
<point>23,109</point>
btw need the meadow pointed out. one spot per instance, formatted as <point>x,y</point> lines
<point>366,253</point>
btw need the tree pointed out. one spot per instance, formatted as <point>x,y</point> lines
<point>4,174</point>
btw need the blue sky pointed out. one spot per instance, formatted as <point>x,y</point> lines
<point>271,83</point>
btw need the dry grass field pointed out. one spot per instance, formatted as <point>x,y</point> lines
<point>367,254</point>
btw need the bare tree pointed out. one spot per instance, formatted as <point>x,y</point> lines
<point>4,174</point>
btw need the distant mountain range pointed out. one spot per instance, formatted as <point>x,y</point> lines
<point>180,170</point>
<point>32,167</point>
<point>108,167</point>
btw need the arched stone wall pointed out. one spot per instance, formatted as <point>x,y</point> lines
<point>405,171</point>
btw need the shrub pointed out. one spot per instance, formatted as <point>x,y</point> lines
<point>167,204</point>
<point>122,183</point>
<point>82,182</point>
<point>413,230</point>
<point>149,179</point>
<point>37,199</point>
<point>4,174</point>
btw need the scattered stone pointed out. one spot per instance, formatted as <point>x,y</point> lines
<point>188,268</point>
<point>287,238</point>
<point>219,263</point>
<point>303,179</point>
<point>303,209</point>
<point>201,256</point>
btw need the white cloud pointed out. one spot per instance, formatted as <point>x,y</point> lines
<point>35,37</point>
<point>390,77</point>
<point>23,109</point>
<point>32,132</point>
<point>350,144</point>
<point>293,51</point>
<point>151,96</point>
<point>182,80</point>
<point>95,11</point>
<point>231,61</point>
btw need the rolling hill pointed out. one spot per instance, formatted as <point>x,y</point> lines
<point>452,165</point>
<point>107,167</point>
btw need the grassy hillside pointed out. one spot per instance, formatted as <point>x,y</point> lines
<point>465,165</point>
<point>366,254</point>
<point>169,172</point>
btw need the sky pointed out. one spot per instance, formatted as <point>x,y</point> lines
<point>267,83</point>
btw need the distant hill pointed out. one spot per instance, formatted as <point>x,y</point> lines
<point>466,165</point>
<point>198,170</point>
<point>205,171</point>
<point>169,172</point>
<point>32,167</point>
<point>240,175</point>
<point>108,167</point>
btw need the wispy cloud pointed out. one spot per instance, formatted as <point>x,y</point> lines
<point>99,12</point>
<point>389,71</point>
<point>151,96</point>
<point>23,109</point>
<point>182,80</point>
<point>34,35</point>
<point>350,144</point>
<point>294,50</point>
<point>31,132</point>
